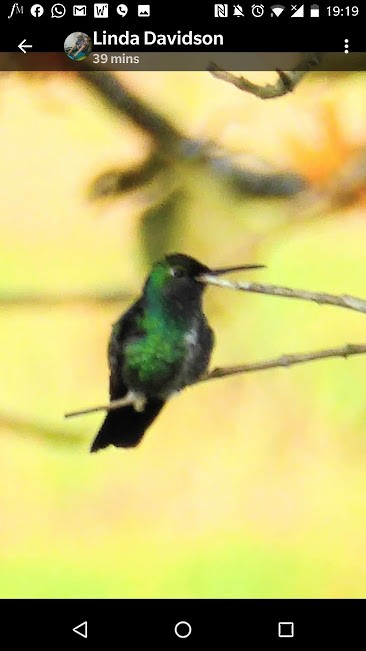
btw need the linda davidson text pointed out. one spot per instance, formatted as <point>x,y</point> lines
<point>151,38</point>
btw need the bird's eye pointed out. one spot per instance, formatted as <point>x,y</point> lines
<point>178,272</point>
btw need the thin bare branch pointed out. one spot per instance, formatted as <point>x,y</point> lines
<point>286,81</point>
<point>349,302</point>
<point>286,360</point>
<point>117,404</point>
<point>283,361</point>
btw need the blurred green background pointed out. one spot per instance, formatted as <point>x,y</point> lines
<point>250,486</point>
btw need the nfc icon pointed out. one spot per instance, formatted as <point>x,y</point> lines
<point>221,11</point>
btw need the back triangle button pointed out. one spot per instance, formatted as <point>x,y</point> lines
<point>81,629</point>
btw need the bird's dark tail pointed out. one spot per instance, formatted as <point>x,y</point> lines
<point>125,427</point>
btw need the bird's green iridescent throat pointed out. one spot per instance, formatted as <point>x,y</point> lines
<point>152,357</point>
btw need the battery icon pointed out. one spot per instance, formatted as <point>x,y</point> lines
<point>314,11</point>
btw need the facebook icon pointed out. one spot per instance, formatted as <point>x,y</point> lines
<point>36,10</point>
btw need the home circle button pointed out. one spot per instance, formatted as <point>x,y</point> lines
<point>183,629</point>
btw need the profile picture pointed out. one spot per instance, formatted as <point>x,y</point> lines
<point>77,46</point>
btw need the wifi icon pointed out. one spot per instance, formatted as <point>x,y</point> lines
<point>277,10</point>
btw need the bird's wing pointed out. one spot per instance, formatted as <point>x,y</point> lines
<point>124,427</point>
<point>208,338</point>
<point>124,329</point>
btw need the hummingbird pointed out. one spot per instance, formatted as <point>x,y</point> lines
<point>162,344</point>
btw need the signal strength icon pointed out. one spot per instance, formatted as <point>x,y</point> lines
<point>277,10</point>
<point>299,11</point>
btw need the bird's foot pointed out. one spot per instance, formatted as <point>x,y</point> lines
<point>139,402</point>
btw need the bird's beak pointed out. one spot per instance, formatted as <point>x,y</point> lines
<point>227,270</point>
<point>205,277</point>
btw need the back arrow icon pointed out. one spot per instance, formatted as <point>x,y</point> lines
<point>23,45</point>
<point>81,629</point>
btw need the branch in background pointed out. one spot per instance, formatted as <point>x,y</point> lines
<point>117,181</point>
<point>349,302</point>
<point>286,81</point>
<point>119,98</point>
<point>66,298</point>
<point>27,426</point>
<point>173,145</point>
<point>283,361</point>
<point>244,180</point>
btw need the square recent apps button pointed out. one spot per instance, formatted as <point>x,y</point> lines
<point>285,629</point>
